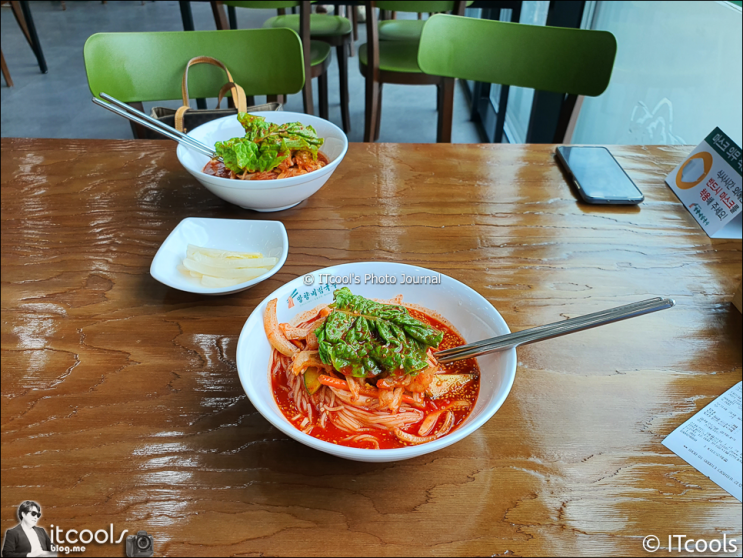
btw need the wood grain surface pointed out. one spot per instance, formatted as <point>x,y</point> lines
<point>121,402</point>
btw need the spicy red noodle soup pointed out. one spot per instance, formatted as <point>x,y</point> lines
<point>371,413</point>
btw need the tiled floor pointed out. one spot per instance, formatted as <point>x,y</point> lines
<point>57,104</point>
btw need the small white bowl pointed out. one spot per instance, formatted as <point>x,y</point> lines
<point>264,195</point>
<point>472,315</point>
<point>266,237</point>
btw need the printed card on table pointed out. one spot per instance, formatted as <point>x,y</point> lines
<point>708,183</point>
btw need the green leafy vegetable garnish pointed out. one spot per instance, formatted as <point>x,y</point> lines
<point>265,145</point>
<point>368,338</point>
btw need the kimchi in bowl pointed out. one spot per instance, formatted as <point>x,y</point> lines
<point>443,298</point>
<point>264,195</point>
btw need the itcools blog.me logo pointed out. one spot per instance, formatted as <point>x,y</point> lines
<point>29,539</point>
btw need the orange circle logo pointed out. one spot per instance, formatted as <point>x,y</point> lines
<point>706,160</point>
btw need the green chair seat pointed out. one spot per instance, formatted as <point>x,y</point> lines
<point>319,51</point>
<point>417,6</point>
<point>321,25</point>
<point>394,57</point>
<point>261,5</point>
<point>401,29</point>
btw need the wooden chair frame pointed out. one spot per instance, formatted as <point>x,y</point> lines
<point>319,71</point>
<point>376,78</point>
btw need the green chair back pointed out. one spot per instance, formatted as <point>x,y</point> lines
<point>137,67</point>
<point>572,61</point>
<point>417,7</point>
<point>276,5</point>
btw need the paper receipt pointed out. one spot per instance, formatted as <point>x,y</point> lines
<point>710,441</point>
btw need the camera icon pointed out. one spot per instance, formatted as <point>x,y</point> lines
<point>140,544</point>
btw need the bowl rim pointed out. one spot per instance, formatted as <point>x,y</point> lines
<point>275,184</point>
<point>196,289</point>
<point>361,454</point>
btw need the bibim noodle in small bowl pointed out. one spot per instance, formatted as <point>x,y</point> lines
<point>350,370</point>
<point>272,180</point>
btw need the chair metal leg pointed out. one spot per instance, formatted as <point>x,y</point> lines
<point>443,131</point>
<point>370,113</point>
<point>322,92</point>
<point>342,56</point>
<point>22,14</point>
<point>378,125</point>
<point>355,22</point>
<point>232,16</point>
<point>500,119</point>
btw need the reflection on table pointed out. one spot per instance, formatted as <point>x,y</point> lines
<point>122,403</point>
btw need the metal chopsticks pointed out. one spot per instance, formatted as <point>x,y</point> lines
<point>556,329</point>
<point>122,109</point>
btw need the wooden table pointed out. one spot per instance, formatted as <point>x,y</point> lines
<point>122,405</point>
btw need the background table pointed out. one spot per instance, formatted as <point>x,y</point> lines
<point>122,405</point>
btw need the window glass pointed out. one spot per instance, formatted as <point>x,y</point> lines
<point>676,76</point>
<point>520,98</point>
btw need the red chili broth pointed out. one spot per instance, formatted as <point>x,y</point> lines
<point>387,440</point>
<point>216,168</point>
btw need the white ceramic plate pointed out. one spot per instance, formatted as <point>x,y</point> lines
<point>471,314</point>
<point>264,195</point>
<point>267,237</point>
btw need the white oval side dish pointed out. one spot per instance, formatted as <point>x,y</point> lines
<point>239,235</point>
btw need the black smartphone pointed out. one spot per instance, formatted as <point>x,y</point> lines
<point>597,175</point>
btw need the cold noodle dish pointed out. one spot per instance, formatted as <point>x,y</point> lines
<point>361,373</point>
<point>268,151</point>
